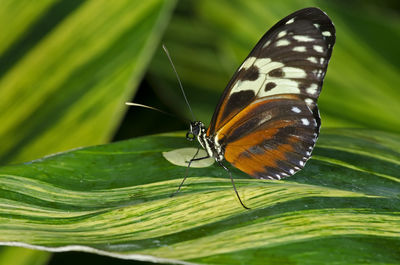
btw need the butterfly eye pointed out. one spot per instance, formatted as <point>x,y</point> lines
<point>190,136</point>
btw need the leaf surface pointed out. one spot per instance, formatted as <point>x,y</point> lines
<point>67,69</point>
<point>115,200</point>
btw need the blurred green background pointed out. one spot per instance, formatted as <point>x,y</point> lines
<point>67,67</point>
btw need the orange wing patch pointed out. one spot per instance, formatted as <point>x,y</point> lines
<point>270,140</point>
<point>224,125</point>
<point>252,155</point>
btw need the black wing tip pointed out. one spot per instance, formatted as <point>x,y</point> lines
<point>320,17</point>
<point>311,11</point>
<point>314,14</point>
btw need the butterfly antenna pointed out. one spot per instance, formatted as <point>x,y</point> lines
<point>179,81</point>
<point>149,107</point>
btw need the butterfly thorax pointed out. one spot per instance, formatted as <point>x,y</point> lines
<point>210,144</point>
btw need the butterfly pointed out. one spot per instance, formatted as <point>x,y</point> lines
<point>267,120</point>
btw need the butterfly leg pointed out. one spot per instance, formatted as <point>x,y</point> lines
<point>233,184</point>
<point>187,170</point>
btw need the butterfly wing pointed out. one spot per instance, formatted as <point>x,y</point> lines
<point>267,120</point>
<point>292,57</point>
<point>271,138</point>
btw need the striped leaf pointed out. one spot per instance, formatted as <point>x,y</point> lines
<point>67,67</point>
<point>115,200</point>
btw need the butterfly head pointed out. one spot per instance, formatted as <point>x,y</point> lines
<point>194,130</point>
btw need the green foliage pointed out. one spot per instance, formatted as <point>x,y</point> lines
<point>115,200</point>
<point>66,87</point>
<point>23,256</point>
<point>66,67</point>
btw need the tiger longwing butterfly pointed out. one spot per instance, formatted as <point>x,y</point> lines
<point>267,120</point>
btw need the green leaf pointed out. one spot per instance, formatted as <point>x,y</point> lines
<point>67,67</point>
<point>23,256</point>
<point>360,88</point>
<point>115,200</point>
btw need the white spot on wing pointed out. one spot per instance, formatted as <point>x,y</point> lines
<point>290,21</point>
<point>316,25</point>
<point>303,38</point>
<point>312,89</point>
<point>291,171</point>
<point>253,85</point>
<point>305,121</point>
<point>282,43</point>
<point>282,33</point>
<point>265,65</point>
<point>267,43</point>
<point>283,86</point>
<point>321,60</point>
<point>249,62</point>
<point>312,59</point>
<point>318,48</point>
<point>296,109</point>
<point>309,101</point>
<point>299,49</point>
<point>326,33</point>
<point>301,163</point>
<point>294,72</point>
